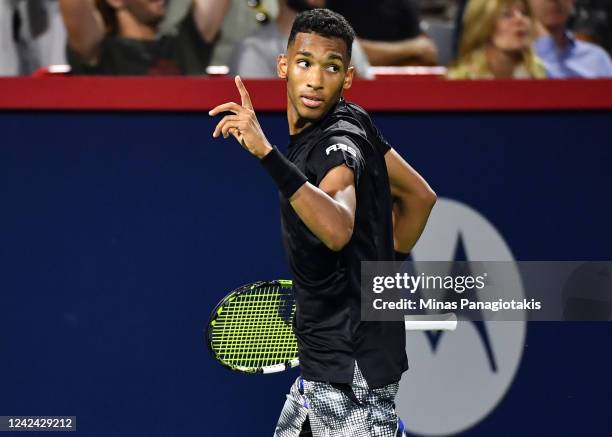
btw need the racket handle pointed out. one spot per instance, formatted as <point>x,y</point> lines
<point>431,322</point>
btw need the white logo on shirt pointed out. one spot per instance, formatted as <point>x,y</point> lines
<point>336,147</point>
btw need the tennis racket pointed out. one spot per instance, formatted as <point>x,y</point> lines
<point>251,330</point>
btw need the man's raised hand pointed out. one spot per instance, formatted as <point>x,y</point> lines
<point>243,124</point>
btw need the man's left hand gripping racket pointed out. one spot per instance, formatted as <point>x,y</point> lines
<point>251,329</point>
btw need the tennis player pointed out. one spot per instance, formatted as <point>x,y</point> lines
<point>346,197</point>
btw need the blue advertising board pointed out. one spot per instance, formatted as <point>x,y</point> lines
<point>120,232</point>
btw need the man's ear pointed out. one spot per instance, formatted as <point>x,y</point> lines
<point>281,66</point>
<point>348,79</point>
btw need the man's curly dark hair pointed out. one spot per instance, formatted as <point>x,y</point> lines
<point>325,23</point>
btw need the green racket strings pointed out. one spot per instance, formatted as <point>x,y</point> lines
<point>253,329</point>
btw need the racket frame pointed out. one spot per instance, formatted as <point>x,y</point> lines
<point>281,367</point>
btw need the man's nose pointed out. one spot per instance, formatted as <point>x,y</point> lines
<point>315,78</point>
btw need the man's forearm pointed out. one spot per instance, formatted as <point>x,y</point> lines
<point>413,200</point>
<point>410,214</point>
<point>326,217</point>
<point>84,25</point>
<point>328,210</point>
<point>208,16</point>
<point>419,50</point>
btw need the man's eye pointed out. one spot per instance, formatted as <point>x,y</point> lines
<point>302,64</point>
<point>333,68</point>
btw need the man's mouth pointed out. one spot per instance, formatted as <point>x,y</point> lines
<point>311,101</point>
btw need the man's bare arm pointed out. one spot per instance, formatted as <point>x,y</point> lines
<point>208,16</point>
<point>420,50</point>
<point>413,200</point>
<point>85,27</point>
<point>329,210</point>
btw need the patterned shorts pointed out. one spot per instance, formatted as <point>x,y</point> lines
<point>333,412</point>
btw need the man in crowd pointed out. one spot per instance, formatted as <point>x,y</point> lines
<point>121,37</point>
<point>563,55</point>
<point>389,31</point>
<point>255,56</point>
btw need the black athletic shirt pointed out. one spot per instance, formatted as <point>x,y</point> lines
<point>328,323</point>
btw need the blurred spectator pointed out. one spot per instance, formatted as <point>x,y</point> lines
<point>593,22</point>
<point>563,55</point>
<point>240,20</point>
<point>255,56</point>
<point>497,42</point>
<point>389,31</point>
<point>32,35</point>
<point>437,21</point>
<point>121,37</point>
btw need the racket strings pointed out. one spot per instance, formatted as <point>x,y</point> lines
<point>254,329</point>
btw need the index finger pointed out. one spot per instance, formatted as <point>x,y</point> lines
<point>229,106</point>
<point>244,94</point>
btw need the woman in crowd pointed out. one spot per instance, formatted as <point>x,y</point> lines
<point>497,42</point>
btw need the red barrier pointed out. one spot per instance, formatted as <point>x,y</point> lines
<point>398,94</point>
